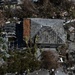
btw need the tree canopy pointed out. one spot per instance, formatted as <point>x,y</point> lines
<point>42,8</point>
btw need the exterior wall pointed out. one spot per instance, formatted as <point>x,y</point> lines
<point>26,28</point>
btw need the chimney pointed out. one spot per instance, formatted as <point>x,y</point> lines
<point>26,28</point>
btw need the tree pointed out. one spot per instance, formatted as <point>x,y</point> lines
<point>27,9</point>
<point>49,60</point>
<point>3,69</point>
<point>21,61</point>
<point>14,63</point>
<point>53,8</point>
<point>62,49</point>
<point>46,8</point>
<point>28,6</point>
<point>2,21</point>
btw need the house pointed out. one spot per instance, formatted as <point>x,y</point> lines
<point>13,33</point>
<point>45,32</point>
<point>8,33</point>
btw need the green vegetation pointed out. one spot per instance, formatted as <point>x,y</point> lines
<point>20,61</point>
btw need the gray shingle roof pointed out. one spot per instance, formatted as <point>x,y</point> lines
<point>56,24</point>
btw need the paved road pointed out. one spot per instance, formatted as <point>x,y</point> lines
<point>40,72</point>
<point>45,72</point>
<point>60,72</point>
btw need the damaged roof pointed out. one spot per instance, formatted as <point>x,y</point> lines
<point>56,24</point>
